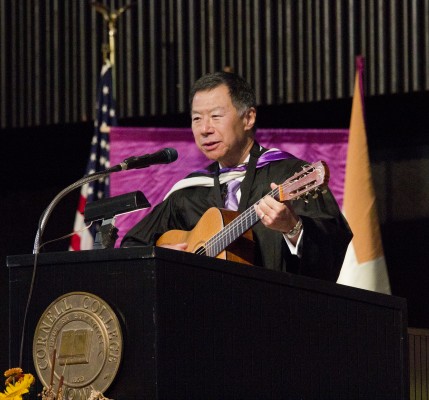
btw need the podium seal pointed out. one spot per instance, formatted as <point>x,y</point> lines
<point>85,335</point>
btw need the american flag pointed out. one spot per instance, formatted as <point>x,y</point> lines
<point>98,159</point>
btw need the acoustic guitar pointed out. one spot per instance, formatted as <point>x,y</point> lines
<point>225,234</point>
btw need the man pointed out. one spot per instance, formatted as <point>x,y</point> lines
<point>308,238</point>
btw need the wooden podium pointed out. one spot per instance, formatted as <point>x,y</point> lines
<point>200,328</point>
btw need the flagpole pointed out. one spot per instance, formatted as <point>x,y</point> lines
<point>111,17</point>
<point>112,49</point>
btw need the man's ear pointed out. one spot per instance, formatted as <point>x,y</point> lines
<point>249,118</point>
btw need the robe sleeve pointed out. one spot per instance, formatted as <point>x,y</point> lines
<point>149,229</point>
<point>325,240</point>
<point>326,233</point>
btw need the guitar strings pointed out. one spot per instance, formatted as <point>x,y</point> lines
<point>231,231</point>
<point>235,228</point>
<point>201,251</point>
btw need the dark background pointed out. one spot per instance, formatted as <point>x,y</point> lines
<point>39,162</point>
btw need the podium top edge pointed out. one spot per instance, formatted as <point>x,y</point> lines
<point>75,257</point>
<point>163,255</point>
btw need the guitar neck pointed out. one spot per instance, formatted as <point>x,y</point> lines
<point>234,229</point>
<point>302,183</point>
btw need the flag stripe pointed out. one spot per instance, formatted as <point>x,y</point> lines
<point>99,160</point>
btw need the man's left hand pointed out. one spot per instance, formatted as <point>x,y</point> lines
<point>277,216</point>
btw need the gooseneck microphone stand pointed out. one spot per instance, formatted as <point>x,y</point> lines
<point>48,211</point>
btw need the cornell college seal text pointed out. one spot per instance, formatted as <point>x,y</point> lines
<point>86,336</point>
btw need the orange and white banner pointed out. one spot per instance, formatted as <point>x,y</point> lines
<point>364,265</point>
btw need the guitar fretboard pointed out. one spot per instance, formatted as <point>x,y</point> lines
<point>310,179</point>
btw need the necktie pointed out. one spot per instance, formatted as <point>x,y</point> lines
<point>231,201</point>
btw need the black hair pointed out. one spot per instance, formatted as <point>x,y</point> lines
<point>242,94</point>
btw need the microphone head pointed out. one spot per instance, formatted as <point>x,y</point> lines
<point>164,156</point>
<point>171,154</point>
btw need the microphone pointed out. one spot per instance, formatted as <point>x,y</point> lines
<point>165,156</point>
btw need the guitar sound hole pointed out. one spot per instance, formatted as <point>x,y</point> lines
<point>201,251</point>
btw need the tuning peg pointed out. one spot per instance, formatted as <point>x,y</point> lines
<point>315,195</point>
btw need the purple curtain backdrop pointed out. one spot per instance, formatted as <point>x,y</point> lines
<point>311,145</point>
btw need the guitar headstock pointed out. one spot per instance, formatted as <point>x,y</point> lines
<point>312,179</point>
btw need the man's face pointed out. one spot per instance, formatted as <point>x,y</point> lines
<point>219,131</point>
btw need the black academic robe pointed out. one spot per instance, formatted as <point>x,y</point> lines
<point>325,238</point>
